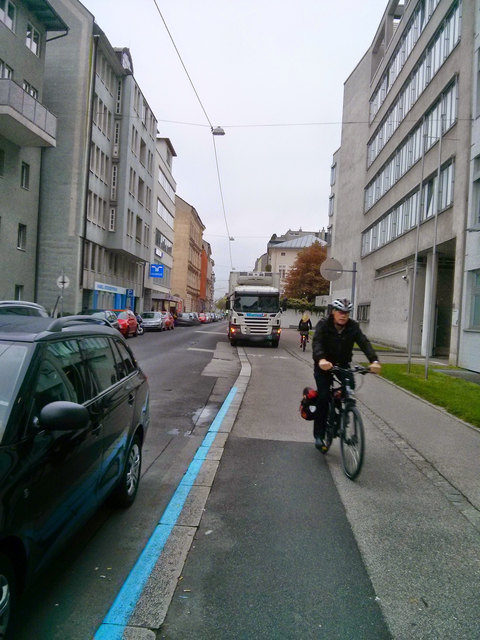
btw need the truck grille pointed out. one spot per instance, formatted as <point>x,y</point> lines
<point>258,326</point>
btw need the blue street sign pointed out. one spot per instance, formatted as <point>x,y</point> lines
<point>129,293</point>
<point>156,271</point>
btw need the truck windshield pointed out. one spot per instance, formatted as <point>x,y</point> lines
<point>256,303</point>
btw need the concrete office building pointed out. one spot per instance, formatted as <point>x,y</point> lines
<point>402,179</point>
<point>27,125</point>
<point>158,277</point>
<point>469,318</point>
<point>97,185</point>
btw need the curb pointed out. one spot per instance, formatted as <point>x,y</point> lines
<point>152,606</point>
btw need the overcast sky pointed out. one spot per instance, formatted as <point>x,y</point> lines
<point>255,64</point>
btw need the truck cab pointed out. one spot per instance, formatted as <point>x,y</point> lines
<point>254,307</point>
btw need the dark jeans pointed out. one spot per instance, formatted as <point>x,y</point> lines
<point>324,381</point>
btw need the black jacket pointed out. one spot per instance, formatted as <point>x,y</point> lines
<point>337,347</point>
<point>305,325</point>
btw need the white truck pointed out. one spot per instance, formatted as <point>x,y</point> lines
<point>253,304</point>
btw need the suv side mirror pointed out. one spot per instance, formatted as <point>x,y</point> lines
<point>63,416</point>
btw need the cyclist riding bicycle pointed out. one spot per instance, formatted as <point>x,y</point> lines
<point>332,345</point>
<point>304,326</point>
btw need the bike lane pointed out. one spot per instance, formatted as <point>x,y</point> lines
<point>274,555</point>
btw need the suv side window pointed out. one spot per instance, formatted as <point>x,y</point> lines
<point>99,357</point>
<point>125,362</point>
<point>51,385</point>
<point>67,355</point>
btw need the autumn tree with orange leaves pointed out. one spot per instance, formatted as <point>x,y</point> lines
<point>304,279</point>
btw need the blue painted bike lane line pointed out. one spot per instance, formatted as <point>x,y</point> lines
<point>117,618</point>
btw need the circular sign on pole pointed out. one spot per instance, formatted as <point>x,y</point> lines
<point>331,269</point>
<point>63,281</point>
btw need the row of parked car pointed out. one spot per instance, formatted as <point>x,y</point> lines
<point>192,317</point>
<point>125,320</point>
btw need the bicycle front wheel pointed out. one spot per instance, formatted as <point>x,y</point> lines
<point>352,443</point>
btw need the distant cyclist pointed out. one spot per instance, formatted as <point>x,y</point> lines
<point>332,345</point>
<point>304,326</point>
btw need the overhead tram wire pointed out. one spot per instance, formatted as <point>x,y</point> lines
<point>211,128</point>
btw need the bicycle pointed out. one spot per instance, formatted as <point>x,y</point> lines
<point>345,422</point>
<point>303,339</point>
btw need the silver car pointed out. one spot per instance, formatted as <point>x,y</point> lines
<point>22,308</point>
<point>153,321</point>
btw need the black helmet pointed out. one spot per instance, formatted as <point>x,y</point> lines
<point>342,304</point>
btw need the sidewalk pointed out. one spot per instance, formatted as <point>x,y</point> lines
<point>414,513</point>
<point>445,443</point>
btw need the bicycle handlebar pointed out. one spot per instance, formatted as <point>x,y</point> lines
<point>355,369</point>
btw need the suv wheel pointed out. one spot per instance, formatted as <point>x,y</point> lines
<point>7,594</point>
<point>127,488</point>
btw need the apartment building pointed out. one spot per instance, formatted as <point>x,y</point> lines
<point>187,256</point>
<point>282,251</point>
<point>27,126</point>
<point>401,205</point>
<point>158,277</point>
<point>97,185</point>
<point>207,278</point>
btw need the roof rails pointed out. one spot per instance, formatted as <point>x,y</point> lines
<point>68,321</point>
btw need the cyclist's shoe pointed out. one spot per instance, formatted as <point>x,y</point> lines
<point>320,444</point>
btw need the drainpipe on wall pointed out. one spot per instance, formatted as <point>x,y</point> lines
<point>89,153</point>
<point>415,258</point>
<point>433,283</point>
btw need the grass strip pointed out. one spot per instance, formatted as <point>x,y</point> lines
<point>457,396</point>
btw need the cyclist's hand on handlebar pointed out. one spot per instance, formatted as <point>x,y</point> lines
<point>325,365</point>
<point>375,367</point>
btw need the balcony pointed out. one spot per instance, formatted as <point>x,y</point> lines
<point>23,120</point>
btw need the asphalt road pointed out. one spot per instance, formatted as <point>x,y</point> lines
<point>72,597</point>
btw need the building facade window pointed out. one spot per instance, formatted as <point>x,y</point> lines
<point>8,13</point>
<point>333,174</point>
<point>475,299</point>
<point>32,39</point>
<point>412,33</point>
<point>163,212</point>
<point>403,217</point>
<point>25,175</point>
<point>30,89</point>
<point>112,220</point>
<point>441,117</point>
<point>169,190</point>
<point>6,72</point>
<point>22,237</point>
<point>363,312</point>
<point>431,61</point>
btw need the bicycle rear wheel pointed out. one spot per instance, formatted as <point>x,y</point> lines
<point>352,443</point>
<point>304,342</point>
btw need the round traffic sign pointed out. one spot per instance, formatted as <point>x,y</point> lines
<point>331,269</point>
<point>63,281</point>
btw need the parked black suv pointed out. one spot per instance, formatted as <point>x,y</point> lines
<point>74,412</point>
